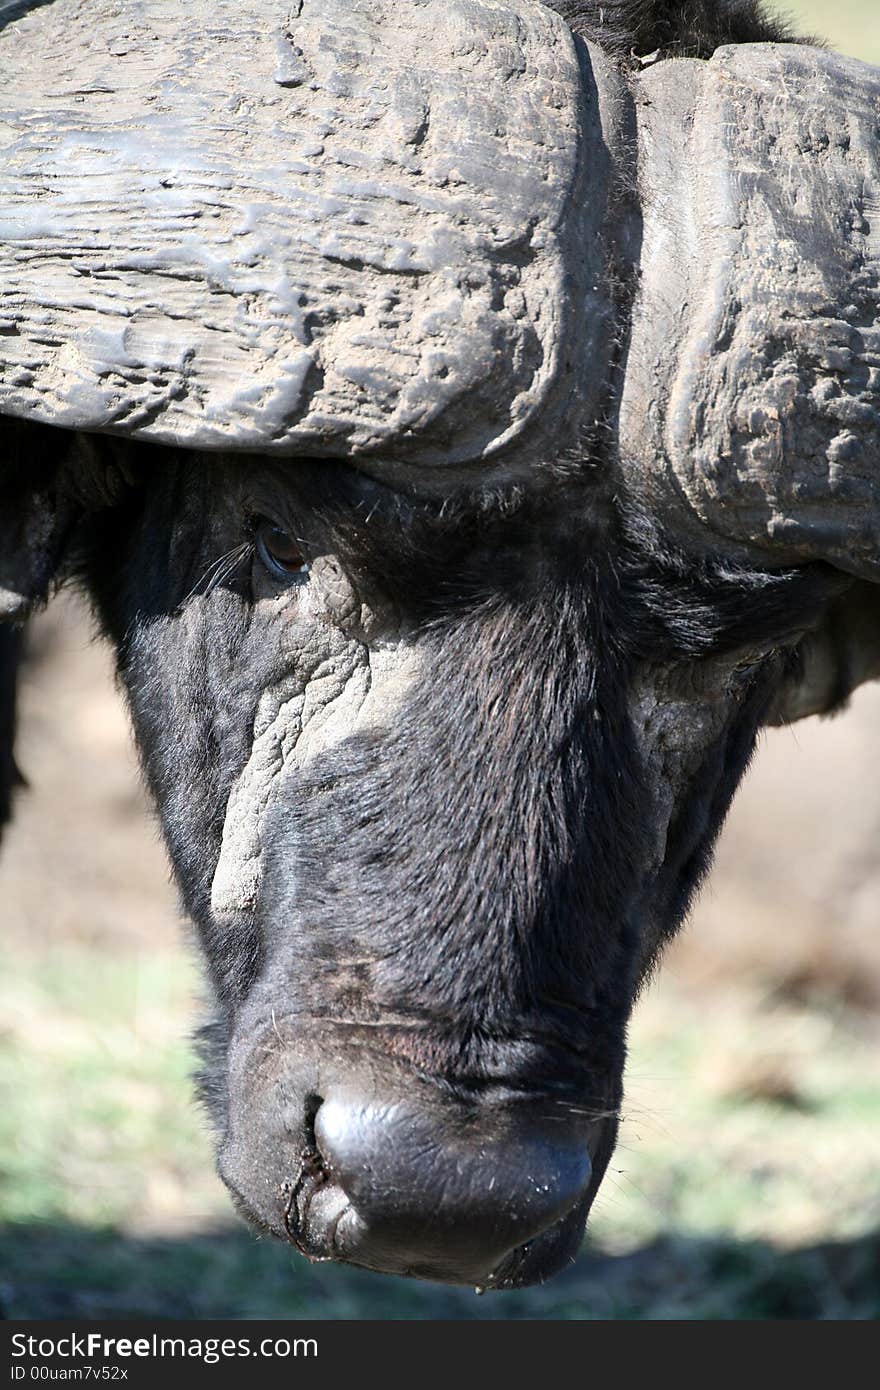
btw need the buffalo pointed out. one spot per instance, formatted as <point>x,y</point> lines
<point>462,419</point>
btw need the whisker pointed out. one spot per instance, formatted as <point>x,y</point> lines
<point>222,576</point>
<point>219,571</point>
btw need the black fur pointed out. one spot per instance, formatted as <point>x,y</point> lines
<point>672,28</point>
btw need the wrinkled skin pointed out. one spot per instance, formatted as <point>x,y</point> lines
<point>434,806</point>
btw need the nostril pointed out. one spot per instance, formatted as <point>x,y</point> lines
<point>313,1161</point>
<point>426,1191</point>
<point>311,1107</point>
<point>312,1174</point>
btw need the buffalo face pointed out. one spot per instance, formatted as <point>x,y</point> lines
<point>440,752</point>
<point>437,781</point>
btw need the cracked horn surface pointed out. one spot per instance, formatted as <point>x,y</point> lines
<point>338,227</point>
<point>751,411</point>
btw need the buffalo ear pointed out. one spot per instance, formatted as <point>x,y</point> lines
<point>835,659</point>
<point>10,651</point>
<point>47,481</point>
<point>36,516</point>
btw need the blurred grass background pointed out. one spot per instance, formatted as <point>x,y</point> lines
<point>852,26</point>
<point>747,1181</point>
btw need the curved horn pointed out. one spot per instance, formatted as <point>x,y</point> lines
<point>343,227</point>
<point>750,418</point>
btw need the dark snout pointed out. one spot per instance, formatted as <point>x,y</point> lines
<point>437,1190</point>
<point>357,1157</point>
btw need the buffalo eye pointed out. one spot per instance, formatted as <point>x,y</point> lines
<point>280,552</point>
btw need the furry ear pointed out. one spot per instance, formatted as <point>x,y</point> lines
<point>833,661</point>
<point>49,480</point>
<point>36,520</point>
<point>10,649</point>
<point>36,516</point>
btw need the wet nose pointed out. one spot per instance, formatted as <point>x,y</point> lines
<point>436,1191</point>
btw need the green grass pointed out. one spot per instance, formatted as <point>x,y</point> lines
<point>730,1196</point>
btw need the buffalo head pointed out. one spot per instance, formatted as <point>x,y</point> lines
<point>467,446</point>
